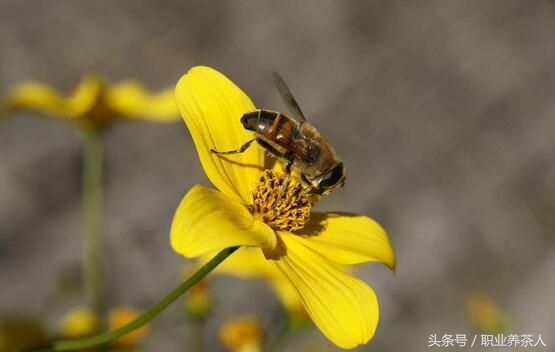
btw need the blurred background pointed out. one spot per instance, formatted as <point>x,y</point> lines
<point>443,112</point>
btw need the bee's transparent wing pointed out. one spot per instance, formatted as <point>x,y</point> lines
<point>288,98</point>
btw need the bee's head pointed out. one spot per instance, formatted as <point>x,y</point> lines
<point>331,179</point>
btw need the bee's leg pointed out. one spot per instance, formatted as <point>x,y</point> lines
<point>238,151</point>
<point>270,148</point>
<point>279,154</point>
<point>288,169</point>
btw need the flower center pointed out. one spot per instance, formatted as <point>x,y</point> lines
<point>101,112</point>
<point>287,210</point>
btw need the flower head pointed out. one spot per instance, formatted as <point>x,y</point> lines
<point>242,334</point>
<point>83,322</point>
<point>486,315</point>
<point>121,316</point>
<point>80,322</point>
<point>279,237</point>
<point>93,102</point>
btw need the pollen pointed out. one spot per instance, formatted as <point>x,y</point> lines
<point>287,210</point>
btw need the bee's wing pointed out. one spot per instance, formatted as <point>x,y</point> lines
<point>288,98</point>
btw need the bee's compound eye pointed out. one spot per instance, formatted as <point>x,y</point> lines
<point>332,177</point>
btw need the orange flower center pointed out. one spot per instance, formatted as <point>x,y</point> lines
<point>100,113</point>
<point>282,209</point>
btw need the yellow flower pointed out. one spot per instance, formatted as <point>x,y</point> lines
<point>80,322</point>
<point>121,316</point>
<point>94,101</point>
<point>485,314</point>
<point>247,212</point>
<point>242,334</point>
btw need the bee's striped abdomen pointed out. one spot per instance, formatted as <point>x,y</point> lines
<point>269,124</point>
<point>259,120</point>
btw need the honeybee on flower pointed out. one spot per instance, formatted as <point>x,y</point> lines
<point>279,237</point>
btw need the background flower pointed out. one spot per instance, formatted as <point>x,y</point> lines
<point>121,316</point>
<point>80,322</point>
<point>242,334</point>
<point>94,101</point>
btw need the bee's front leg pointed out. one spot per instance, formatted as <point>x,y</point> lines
<point>288,169</point>
<point>309,190</point>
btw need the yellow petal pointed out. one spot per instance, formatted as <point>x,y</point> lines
<point>208,220</point>
<point>347,239</point>
<point>343,307</point>
<point>242,334</point>
<point>130,99</point>
<point>39,97</point>
<point>212,106</point>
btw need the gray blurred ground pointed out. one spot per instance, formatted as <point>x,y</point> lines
<point>443,112</point>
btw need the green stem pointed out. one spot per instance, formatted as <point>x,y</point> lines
<point>92,217</point>
<point>101,339</point>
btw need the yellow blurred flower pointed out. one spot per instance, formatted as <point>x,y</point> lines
<point>80,322</point>
<point>247,212</point>
<point>94,101</point>
<point>242,334</point>
<point>121,316</point>
<point>197,300</point>
<point>485,314</point>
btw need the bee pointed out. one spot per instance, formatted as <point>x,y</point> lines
<point>295,141</point>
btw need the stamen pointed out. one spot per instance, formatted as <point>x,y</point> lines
<point>288,210</point>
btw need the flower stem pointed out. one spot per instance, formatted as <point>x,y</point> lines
<point>92,217</point>
<point>101,339</point>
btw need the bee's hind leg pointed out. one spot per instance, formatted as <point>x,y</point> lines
<point>238,151</point>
